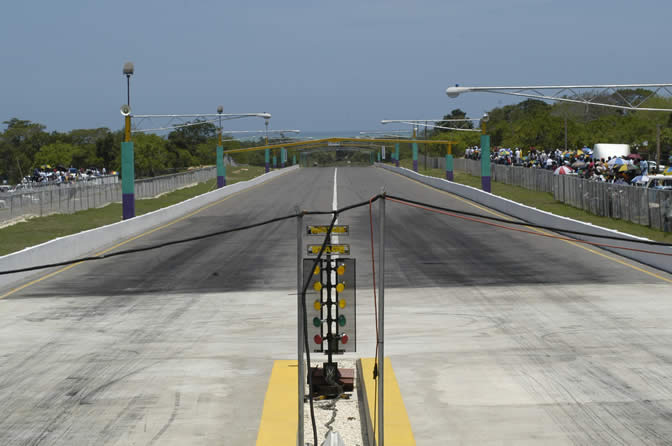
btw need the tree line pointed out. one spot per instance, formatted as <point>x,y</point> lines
<point>26,145</point>
<point>535,123</point>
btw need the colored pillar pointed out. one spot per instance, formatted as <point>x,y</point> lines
<point>127,181</point>
<point>275,161</point>
<point>267,159</point>
<point>485,163</point>
<point>378,156</point>
<point>396,154</point>
<point>283,157</point>
<point>415,156</point>
<point>449,167</point>
<point>221,170</point>
<point>294,159</point>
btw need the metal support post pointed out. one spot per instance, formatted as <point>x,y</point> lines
<point>381,321</point>
<point>127,173</point>
<point>396,154</point>
<point>299,319</point>
<point>221,169</point>
<point>485,163</point>
<point>267,159</point>
<point>415,156</point>
<point>657,149</point>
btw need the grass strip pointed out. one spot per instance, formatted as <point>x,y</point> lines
<point>42,229</point>
<point>545,202</point>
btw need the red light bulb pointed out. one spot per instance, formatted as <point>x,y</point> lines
<point>344,339</point>
<point>317,339</point>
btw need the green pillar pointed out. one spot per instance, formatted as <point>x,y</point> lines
<point>275,161</point>
<point>485,163</point>
<point>396,154</point>
<point>415,156</point>
<point>267,159</point>
<point>449,167</point>
<point>221,169</point>
<point>378,156</point>
<point>127,180</point>
<point>294,159</point>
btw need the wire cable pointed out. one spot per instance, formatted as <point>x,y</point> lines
<point>179,241</point>
<point>549,228</point>
<point>540,234</point>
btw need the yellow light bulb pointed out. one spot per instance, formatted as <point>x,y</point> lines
<point>317,305</point>
<point>340,287</point>
<point>316,271</point>
<point>341,303</point>
<point>340,270</point>
<point>317,286</point>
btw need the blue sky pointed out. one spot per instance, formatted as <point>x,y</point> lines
<point>314,65</point>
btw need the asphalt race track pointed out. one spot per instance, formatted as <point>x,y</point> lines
<point>496,337</point>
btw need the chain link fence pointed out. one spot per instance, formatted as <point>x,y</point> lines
<point>67,198</point>
<point>648,207</point>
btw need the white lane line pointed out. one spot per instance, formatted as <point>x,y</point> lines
<point>334,203</point>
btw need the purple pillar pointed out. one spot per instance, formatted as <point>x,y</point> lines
<point>415,165</point>
<point>449,175</point>
<point>221,181</point>
<point>485,184</point>
<point>128,206</point>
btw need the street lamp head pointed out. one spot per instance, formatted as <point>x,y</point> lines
<point>264,115</point>
<point>220,109</point>
<point>128,68</point>
<point>455,91</point>
<point>485,117</point>
<point>384,121</point>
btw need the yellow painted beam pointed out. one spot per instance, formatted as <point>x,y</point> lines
<point>338,140</point>
<point>397,425</point>
<point>279,419</point>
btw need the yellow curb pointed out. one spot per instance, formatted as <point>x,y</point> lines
<point>397,427</point>
<point>279,419</point>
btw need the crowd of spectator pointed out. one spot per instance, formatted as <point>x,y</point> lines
<point>631,169</point>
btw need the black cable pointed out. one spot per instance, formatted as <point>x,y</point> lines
<point>148,248</point>
<point>531,225</point>
<point>305,324</point>
<point>176,242</point>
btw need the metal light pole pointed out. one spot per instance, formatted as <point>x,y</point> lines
<point>485,155</point>
<point>127,157</point>
<point>267,152</point>
<point>221,168</point>
<point>657,147</point>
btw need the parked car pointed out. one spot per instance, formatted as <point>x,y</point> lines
<point>662,182</point>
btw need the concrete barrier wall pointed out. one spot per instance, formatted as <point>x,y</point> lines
<point>536,216</point>
<point>94,240</point>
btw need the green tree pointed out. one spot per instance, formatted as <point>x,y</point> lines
<point>55,154</point>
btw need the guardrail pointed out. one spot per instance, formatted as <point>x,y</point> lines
<point>68,198</point>
<point>648,207</point>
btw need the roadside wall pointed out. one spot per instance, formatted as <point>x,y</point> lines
<point>543,218</point>
<point>94,240</point>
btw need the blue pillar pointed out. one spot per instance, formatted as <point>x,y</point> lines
<point>485,163</point>
<point>221,169</point>
<point>415,156</point>
<point>267,159</point>
<point>396,154</point>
